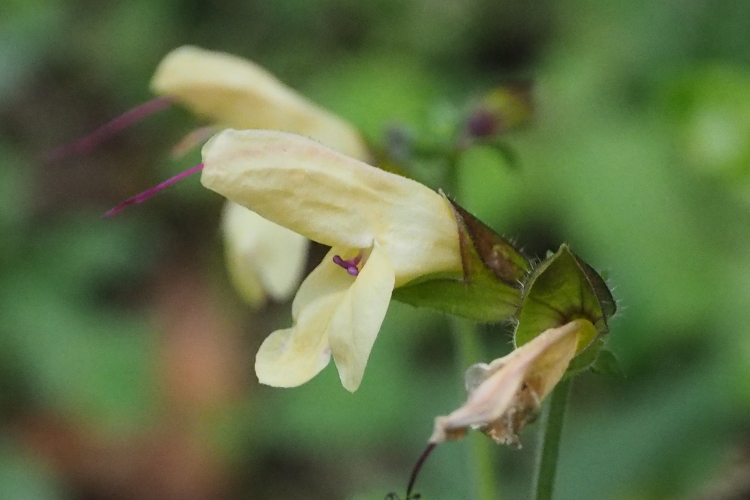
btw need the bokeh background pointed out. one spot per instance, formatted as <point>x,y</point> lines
<point>126,358</point>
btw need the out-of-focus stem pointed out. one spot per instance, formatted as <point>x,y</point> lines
<point>481,448</point>
<point>552,424</point>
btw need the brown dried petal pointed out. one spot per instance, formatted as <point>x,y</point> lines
<point>505,395</point>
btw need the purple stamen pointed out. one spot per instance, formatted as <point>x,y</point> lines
<point>140,198</point>
<point>350,265</point>
<point>114,127</point>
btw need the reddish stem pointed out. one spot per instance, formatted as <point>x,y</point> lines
<point>417,467</point>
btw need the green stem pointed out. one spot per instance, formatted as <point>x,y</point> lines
<point>552,424</point>
<point>469,351</point>
<point>481,449</point>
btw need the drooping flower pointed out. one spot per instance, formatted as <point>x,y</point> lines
<point>385,231</point>
<point>505,395</point>
<point>262,257</point>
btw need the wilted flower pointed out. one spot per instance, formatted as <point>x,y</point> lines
<point>385,231</point>
<point>233,92</point>
<point>505,395</point>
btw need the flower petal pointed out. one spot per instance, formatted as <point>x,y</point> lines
<point>291,357</point>
<point>236,93</point>
<point>261,255</point>
<point>358,318</point>
<point>494,388</point>
<point>550,364</point>
<point>486,403</point>
<point>334,199</point>
<point>326,279</point>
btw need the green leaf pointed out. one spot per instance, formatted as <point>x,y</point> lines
<point>603,294</point>
<point>493,275</point>
<point>507,154</point>
<point>561,289</point>
<point>606,364</point>
<point>484,302</point>
<point>586,358</point>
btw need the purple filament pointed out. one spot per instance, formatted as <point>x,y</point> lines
<point>140,198</point>
<point>110,129</point>
<point>350,265</point>
<point>418,467</point>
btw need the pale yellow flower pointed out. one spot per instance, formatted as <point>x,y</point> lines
<point>262,257</point>
<point>506,394</point>
<point>235,93</point>
<point>385,231</point>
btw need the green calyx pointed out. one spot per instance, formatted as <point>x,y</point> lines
<point>491,284</point>
<point>561,289</point>
<point>499,284</point>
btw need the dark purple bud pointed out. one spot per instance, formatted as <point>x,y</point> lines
<point>482,123</point>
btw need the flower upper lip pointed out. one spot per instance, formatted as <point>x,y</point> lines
<point>234,92</point>
<point>403,230</point>
<point>334,199</point>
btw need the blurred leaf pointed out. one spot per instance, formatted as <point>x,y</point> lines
<point>14,204</point>
<point>28,30</point>
<point>606,364</point>
<point>711,107</point>
<point>645,433</point>
<point>377,90</point>
<point>490,189</point>
<point>23,478</point>
<point>94,361</point>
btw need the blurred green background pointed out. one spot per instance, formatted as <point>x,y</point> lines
<point>126,358</point>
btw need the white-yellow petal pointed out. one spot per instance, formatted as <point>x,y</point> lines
<point>288,358</point>
<point>291,357</point>
<point>234,92</point>
<point>358,318</point>
<point>261,255</point>
<point>334,199</point>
